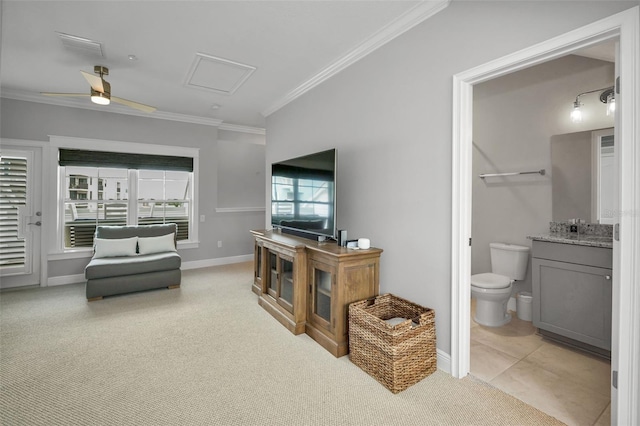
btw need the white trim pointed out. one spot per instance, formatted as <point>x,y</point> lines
<point>117,109</point>
<point>419,13</point>
<point>239,209</point>
<point>443,361</point>
<point>626,25</point>
<point>197,264</point>
<point>243,129</point>
<point>112,108</point>
<point>66,279</point>
<point>71,254</point>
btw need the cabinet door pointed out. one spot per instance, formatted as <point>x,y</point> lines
<point>272,278</point>
<point>280,279</point>
<point>573,301</point>
<point>257,268</point>
<point>322,288</point>
<point>286,288</point>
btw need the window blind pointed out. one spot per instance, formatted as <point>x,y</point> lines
<point>121,160</point>
<point>13,193</point>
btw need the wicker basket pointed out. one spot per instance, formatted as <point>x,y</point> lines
<point>397,356</point>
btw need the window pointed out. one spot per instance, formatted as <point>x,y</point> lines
<point>163,197</point>
<point>296,198</point>
<point>107,188</point>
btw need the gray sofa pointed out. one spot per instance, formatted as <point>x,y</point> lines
<point>107,276</point>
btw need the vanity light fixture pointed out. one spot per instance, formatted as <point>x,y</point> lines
<point>610,100</point>
<point>576,113</point>
<point>607,96</point>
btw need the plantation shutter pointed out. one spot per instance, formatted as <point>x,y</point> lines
<point>13,194</point>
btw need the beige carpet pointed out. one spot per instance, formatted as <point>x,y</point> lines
<point>204,354</point>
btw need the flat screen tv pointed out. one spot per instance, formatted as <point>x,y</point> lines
<point>303,195</point>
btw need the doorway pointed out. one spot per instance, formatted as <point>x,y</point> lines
<point>20,206</point>
<point>626,303</point>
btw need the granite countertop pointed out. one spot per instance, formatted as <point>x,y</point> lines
<point>575,239</point>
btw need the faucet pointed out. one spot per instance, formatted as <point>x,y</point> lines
<point>574,226</point>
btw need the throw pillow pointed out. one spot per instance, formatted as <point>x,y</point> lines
<point>161,244</point>
<point>107,247</point>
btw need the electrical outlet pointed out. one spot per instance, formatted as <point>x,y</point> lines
<point>573,228</point>
<point>219,244</point>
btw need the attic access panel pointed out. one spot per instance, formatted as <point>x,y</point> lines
<point>217,74</point>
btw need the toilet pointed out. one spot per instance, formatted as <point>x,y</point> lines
<point>492,290</point>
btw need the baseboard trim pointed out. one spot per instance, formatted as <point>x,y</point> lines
<point>444,361</point>
<point>196,264</point>
<point>65,279</point>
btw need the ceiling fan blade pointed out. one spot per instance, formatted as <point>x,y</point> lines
<point>94,81</point>
<point>132,104</point>
<point>65,94</point>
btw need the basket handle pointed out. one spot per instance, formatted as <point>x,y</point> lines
<point>370,301</point>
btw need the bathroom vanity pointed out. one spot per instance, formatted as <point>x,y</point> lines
<point>572,289</point>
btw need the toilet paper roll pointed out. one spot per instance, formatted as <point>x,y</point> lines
<point>364,243</point>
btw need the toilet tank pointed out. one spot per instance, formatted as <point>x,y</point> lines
<point>509,260</point>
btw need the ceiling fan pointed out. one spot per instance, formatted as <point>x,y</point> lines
<point>101,91</point>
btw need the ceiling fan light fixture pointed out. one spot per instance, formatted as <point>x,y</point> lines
<point>100,98</point>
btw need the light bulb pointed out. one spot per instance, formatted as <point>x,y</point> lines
<point>611,105</point>
<point>576,114</point>
<point>100,98</point>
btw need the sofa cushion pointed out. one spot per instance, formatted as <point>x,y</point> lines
<point>131,265</point>
<point>160,244</point>
<point>115,247</point>
<point>136,230</point>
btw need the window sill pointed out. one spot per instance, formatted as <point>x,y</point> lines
<point>71,254</point>
<point>188,245</point>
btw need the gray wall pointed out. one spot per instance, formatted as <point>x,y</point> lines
<point>515,119</point>
<point>241,177</point>
<point>389,116</point>
<point>34,121</point>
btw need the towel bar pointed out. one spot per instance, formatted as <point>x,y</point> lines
<point>486,175</point>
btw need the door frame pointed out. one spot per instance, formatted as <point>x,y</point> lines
<point>624,26</point>
<point>40,197</point>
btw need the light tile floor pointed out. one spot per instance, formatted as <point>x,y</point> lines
<point>568,384</point>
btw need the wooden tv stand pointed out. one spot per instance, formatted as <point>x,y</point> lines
<point>308,286</point>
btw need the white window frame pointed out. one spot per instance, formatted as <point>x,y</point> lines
<point>57,251</point>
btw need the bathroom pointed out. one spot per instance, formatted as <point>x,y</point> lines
<point>518,120</point>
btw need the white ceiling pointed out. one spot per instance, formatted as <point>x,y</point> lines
<point>293,46</point>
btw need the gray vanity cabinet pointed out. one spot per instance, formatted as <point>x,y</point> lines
<point>572,292</point>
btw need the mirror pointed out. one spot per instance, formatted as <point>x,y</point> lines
<point>582,167</point>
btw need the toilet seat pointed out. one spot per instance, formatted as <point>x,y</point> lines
<point>490,280</point>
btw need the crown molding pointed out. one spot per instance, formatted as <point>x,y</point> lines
<point>414,16</point>
<point>119,109</point>
<point>242,129</point>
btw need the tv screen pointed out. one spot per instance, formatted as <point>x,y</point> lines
<point>303,195</point>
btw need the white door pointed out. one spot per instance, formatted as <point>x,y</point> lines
<point>20,216</point>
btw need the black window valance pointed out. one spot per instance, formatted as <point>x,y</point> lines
<point>121,160</point>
